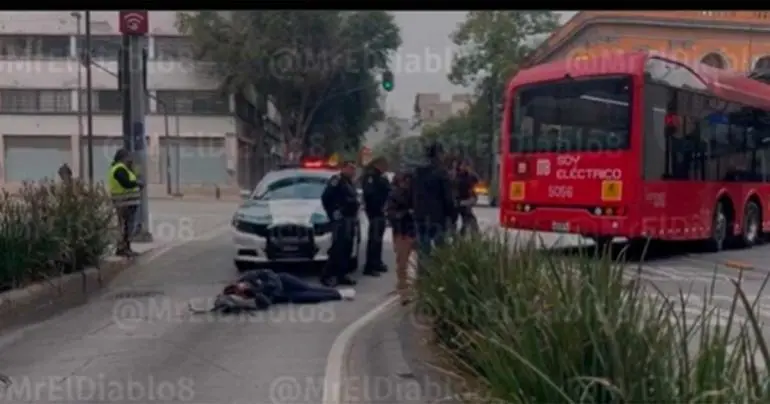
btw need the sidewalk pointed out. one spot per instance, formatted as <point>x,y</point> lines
<point>45,299</point>
<point>391,362</point>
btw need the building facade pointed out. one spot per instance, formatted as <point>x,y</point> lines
<point>737,40</point>
<point>430,109</point>
<point>192,129</point>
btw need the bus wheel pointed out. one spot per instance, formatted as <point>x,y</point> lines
<point>750,228</point>
<point>716,242</point>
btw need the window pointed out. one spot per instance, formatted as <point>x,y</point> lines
<point>193,102</point>
<point>573,115</point>
<point>673,74</point>
<point>35,101</point>
<point>692,136</point>
<point>34,47</point>
<point>103,47</point>
<point>291,186</point>
<point>173,48</point>
<point>107,101</point>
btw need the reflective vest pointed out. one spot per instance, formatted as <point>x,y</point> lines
<point>123,196</point>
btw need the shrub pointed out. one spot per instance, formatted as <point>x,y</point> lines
<point>50,228</point>
<point>535,327</point>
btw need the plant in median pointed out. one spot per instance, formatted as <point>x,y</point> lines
<point>535,327</point>
<point>51,228</point>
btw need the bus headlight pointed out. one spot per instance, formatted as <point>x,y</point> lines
<point>598,211</point>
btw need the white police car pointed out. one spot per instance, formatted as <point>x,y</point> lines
<point>282,221</point>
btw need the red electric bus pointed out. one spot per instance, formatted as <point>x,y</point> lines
<point>637,146</point>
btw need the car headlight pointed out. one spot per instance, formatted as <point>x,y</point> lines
<point>256,219</point>
<point>318,218</point>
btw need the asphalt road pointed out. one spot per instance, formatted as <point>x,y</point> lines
<point>138,341</point>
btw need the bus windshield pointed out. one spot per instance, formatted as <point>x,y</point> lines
<point>572,116</point>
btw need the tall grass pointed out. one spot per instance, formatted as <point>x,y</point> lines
<point>531,326</point>
<point>49,228</point>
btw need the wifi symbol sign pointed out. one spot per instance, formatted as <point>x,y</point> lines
<point>133,22</point>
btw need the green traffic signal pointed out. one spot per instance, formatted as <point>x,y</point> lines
<point>387,80</point>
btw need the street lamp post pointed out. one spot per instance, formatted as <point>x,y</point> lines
<point>89,94</point>
<point>78,53</point>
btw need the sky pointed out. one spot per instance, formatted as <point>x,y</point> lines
<point>424,60</point>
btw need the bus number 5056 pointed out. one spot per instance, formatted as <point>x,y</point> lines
<point>560,191</point>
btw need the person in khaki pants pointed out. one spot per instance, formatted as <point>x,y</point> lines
<point>399,209</point>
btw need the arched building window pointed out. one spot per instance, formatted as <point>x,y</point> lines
<point>762,63</point>
<point>714,60</point>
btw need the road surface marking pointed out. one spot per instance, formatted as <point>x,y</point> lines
<point>207,236</point>
<point>335,362</point>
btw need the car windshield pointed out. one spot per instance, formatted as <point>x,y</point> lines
<point>292,188</point>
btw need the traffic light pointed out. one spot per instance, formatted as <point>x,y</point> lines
<point>387,80</point>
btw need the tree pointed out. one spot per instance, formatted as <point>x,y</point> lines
<point>492,46</point>
<point>495,43</point>
<point>401,152</point>
<point>319,68</point>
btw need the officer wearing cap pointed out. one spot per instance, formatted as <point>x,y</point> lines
<point>340,201</point>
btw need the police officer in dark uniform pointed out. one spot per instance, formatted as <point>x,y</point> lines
<point>340,201</point>
<point>376,189</point>
<point>465,181</point>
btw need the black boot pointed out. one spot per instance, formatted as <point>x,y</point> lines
<point>328,281</point>
<point>346,281</point>
<point>371,272</point>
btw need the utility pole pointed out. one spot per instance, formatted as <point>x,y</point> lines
<point>79,55</point>
<point>89,94</point>
<point>133,26</point>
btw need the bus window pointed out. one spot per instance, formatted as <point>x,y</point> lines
<point>673,74</point>
<point>673,146</point>
<point>591,115</point>
<point>654,138</point>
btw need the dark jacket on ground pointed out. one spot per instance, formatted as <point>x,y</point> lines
<point>376,189</point>
<point>122,177</point>
<point>434,202</point>
<point>264,287</point>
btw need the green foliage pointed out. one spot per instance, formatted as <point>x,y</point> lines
<point>492,45</point>
<point>50,229</point>
<point>401,152</point>
<point>319,68</point>
<point>530,326</point>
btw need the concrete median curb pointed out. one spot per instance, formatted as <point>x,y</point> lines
<point>45,298</point>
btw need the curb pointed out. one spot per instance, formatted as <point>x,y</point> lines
<point>46,297</point>
<point>388,361</point>
<point>195,198</point>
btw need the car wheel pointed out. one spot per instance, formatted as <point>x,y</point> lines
<point>719,228</point>
<point>751,226</point>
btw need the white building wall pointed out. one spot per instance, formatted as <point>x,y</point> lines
<point>63,74</point>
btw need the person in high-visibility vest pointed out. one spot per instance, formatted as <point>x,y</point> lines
<point>125,190</point>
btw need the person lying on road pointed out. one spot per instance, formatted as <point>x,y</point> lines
<point>258,290</point>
